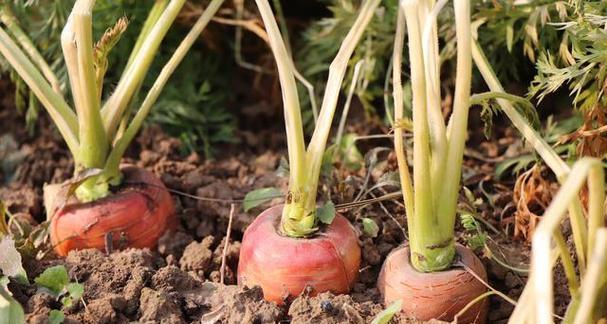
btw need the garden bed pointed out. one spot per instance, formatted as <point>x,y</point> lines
<point>179,280</point>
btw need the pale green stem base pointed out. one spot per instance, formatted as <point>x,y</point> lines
<point>92,189</point>
<point>434,259</point>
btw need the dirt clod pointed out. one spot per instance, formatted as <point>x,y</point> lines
<point>104,310</point>
<point>173,243</point>
<point>171,279</point>
<point>158,307</point>
<point>197,255</point>
<point>233,305</point>
<point>327,308</point>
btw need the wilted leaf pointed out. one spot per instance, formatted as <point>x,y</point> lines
<point>370,227</point>
<point>10,260</point>
<point>372,156</point>
<point>259,196</point>
<point>469,195</point>
<point>389,179</point>
<point>326,213</point>
<point>371,159</point>
<point>54,279</point>
<point>386,315</point>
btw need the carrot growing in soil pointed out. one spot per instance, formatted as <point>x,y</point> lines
<point>291,247</point>
<point>104,203</point>
<point>425,274</point>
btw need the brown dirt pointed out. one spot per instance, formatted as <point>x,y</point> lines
<point>178,281</point>
<point>328,308</point>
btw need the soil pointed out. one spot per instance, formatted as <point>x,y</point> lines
<point>178,282</point>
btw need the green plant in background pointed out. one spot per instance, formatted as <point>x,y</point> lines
<point>515,31</point>
<point>42,33</point>
<point>514,34</point>
<point>194,108</point>
<point>198,99</point>
<point>581,59</point>
<point>320,43</point>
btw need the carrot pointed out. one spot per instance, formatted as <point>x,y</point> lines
<point>289,247</point>
<point>97,133</point>
<point>284,267</point>
<point>136,216</point>
<point>424,274</point>
<point>434,295</point>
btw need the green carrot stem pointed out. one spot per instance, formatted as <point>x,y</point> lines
<point>592,296</point>
<point>436,121</point>
<point>151,20</point>
<point>426,238</point>
<point>61,114</point>
<point>567,262</point>
<point>113,161</point>
<point>115,106</point>
<point>459,120</point>
<point>399,145</point>
<point>294,222</point>
<point>596,206</point>
<point>337,70</point>
<point>93,140</point>
<point>8,18</point>
<point>299,214</point>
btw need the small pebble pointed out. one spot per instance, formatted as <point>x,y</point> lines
<point>326,306</point>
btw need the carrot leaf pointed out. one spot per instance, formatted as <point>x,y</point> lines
<point>259,196</point>
<point>386,315</point>
<point>370,227</point>
<point>56,317</point>
<point>326,213</point>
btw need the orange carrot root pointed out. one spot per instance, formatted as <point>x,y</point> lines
<point>285,266</point>
<point>134,217</point>
<point>434,295</point>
